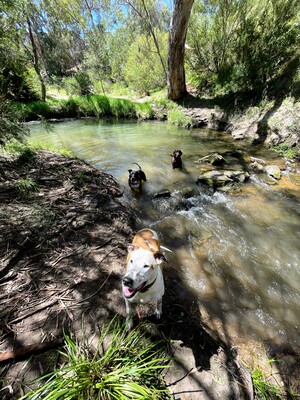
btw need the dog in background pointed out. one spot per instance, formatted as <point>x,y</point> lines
<point>176,159</point>
<point>136,178</point>
<point>143,281</point>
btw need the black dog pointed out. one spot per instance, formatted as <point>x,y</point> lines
<point>176,159</point>
<point>135,179</point>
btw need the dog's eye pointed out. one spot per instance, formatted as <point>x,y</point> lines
<point>146,266</point>
<point>131,261</point>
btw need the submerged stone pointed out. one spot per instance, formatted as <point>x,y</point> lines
<point>162,193</point>
<point>213,159</point>
<point>222,178</point>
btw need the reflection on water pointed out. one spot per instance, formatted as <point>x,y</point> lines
<point>239,253</point>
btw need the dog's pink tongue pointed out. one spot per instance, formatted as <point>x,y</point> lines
<point>127,291</point>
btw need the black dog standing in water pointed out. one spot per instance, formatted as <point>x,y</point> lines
<point>135,179</point>
<point>176,159</point>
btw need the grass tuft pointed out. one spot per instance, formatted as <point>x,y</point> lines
<point>127,368</point>
<point>23,151</point>
<point>266,386</point>
<point>26,186</point>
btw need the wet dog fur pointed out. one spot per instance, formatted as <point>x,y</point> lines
<point>176,159</point>
<point>136,178</point>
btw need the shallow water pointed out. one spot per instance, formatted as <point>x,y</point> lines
<point>238,253</point>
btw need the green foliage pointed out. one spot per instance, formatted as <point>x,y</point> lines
<point>43,146</point>
<point>78,85</point>
<point>286,151</point>
<point>24,152</point>
<point>177,117</point>
<point>264,382</point>
<point>144,71</point>
<point>38,110</point>
<point>10,125</point>
<point>27,186</point>
<point>244,45</point>
<point>86,106</point>
<point>127,368</point>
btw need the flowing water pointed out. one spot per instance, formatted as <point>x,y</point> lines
<point>238,253</point>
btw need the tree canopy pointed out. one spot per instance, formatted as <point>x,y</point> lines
<point>84,46</point>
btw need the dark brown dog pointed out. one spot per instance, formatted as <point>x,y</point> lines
<point>176,159</point>
<point>135,179</point>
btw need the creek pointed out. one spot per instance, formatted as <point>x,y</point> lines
<point>238,253</point>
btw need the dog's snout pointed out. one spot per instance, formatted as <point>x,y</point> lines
<point>127,281</point>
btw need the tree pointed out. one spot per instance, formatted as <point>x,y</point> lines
<point>242,45</point>
<point>177,38</point>
<point>142,54</point>
<point>152,15</point>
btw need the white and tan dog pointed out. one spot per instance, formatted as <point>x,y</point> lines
<point>143,281</point>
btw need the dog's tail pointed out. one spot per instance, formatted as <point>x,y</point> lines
<point>137,165</point>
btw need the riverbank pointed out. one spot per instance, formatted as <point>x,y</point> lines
<point>273,122</point>
<point>64,240</point>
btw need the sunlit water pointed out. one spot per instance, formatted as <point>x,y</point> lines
<point>238,253</point>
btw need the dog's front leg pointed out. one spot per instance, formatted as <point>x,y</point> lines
<point>130,312</point>
<point>158,311</point>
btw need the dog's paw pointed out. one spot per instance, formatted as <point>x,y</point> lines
<point>158,314</point>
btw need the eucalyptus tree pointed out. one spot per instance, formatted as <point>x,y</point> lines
<point>176,54</point>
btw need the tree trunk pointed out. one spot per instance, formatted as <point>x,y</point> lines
<point>35,58</point>
<point>177,37</point>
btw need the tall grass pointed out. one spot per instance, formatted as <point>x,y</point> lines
<point>177,117</point>
<point>266,386</point>
<point>85,106</point>
<point>127,368</point>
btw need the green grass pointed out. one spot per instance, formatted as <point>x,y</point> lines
<point>128,367</point>
<point>26,186</point>
<point>96,106</point>
<point>177,117</point>
<point>265,385</point>
<point>23,151</point>
<point>285,150</point>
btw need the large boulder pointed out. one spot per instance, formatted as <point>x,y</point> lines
<point>213,159</point>
<point>222,178</point>
<point>273,171</point>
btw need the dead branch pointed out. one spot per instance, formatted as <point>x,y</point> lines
<point>27,351</point>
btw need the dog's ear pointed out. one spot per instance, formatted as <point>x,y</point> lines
<point>159,257</point>
<point>131,248</point>
<point>180,152</point>
<point>130,170</point>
